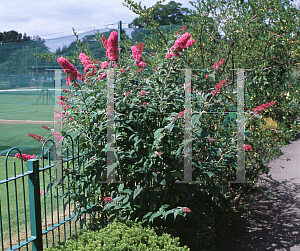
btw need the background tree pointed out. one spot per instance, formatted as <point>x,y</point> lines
<point>164,15</point>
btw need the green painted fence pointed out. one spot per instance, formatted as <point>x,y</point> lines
<point>34,175</point>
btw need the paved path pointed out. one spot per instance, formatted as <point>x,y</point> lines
<point>274,219</point>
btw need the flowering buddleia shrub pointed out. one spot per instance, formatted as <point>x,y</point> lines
<point>149,112</point>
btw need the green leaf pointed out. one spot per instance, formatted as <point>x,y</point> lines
<point>155,215</point>
<point>153,205</point>
<point>170,126</point>
<point>121,186</point>
<point>165,214</point>
<point>195,118</point>
<point>257,116</point>
<point>76,216</point>
<point>176,213</point>
<point>137,191</point>
<point>127,191</point>
<point>179,150</point>
<point>126,199</point>
<point>158,133</point>
<point>162,208</point>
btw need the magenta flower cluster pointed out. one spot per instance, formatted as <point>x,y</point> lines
<point>247,147</point>
<point>218,87</point>
<point>181,43</point>
<point>69,69</point>
<point>108,199</point>
<point>111,46</point>
<point>85,60</point>
<point>218,64</point>
<point>137,55</point>
<point>25,157</point>
<point>36,137</point>
<point>263,107</point>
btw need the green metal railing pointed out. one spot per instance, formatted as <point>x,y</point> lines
<point>35,174</point>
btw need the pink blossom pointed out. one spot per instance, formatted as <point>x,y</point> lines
<point>212,139</point>
<point>141,64</point>
<point>69,69</point>
<point>206,76</point>
<point>159,153</point>
<point>104,65</point>
<point>168,55</point>
<point>145,103</point>
<point>87,63</point>
<point>25,157</point>
<point>104,42</point>
<point>143,92</point>
<point>126,94</point>
<point>122,71</point>
<point>218,64</point>
<point>186,210</point>
<point>139,70</point>
<point>218,87</point>
<point>247,147</point>
<point>41,192</point>
<point>181,114</point>
<point>263,107</point>
<point>57,116</point>
<point>137,55</point>
<point>108,199</point>
<point>181,43</point>
<point>190,42</point>
<point>112,46</point>
<point>103,75</point>
<point>70,119</point>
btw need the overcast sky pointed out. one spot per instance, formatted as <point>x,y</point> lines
<point>52,18</point>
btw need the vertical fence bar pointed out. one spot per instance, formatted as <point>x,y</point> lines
<point>8,211</point>
<point>24,204</point>
<point>119,34</point>
<point>35,204</point>
<point>1,228</point>
<point>17,208</point>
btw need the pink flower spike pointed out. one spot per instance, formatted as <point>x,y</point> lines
<point>247,147</point>
<point>104,65</point>
<point>108,199</point>
<point>186,210</point>
<point>143,92</point>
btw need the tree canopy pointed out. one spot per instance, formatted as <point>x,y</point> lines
<point>164,14</point>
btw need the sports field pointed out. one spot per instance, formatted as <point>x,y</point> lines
<point>23,112</point>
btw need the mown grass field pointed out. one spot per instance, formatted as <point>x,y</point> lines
<point>22,106</point>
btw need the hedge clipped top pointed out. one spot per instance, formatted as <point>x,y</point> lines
<point>120,236</point>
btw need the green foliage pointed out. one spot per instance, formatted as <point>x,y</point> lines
<point>150,134</point>
<point>121,236</point>
<point>163,14</point>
